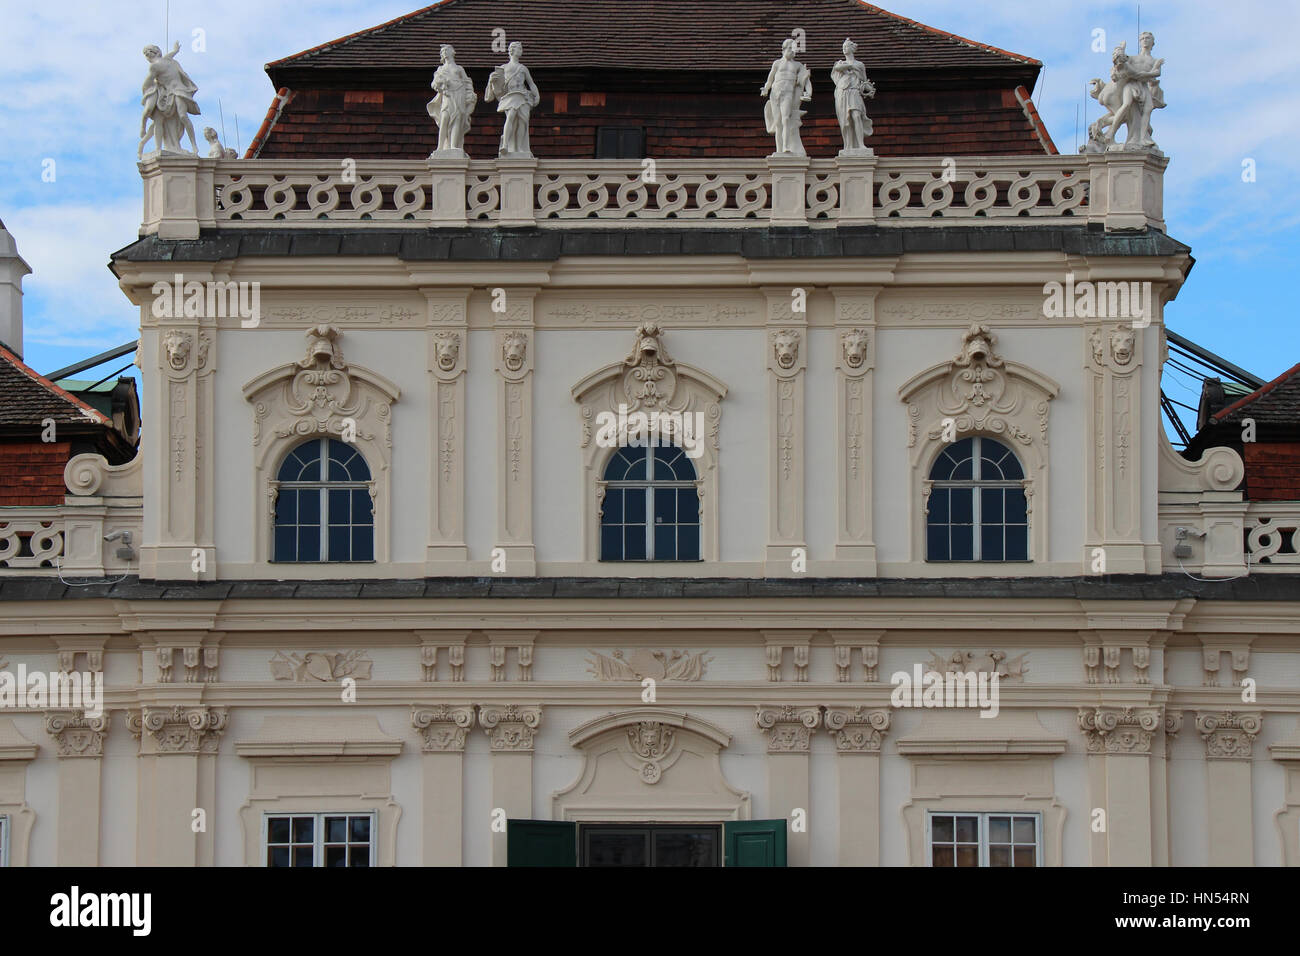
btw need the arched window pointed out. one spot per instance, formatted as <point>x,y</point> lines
<point>651,509</point>
<point>977,508</point>
<point>323,509</point>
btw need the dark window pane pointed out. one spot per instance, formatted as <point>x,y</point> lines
<point>336,856</point>
<point>991,543</point>
<point>1015,505</point>
<point>999,856</point>
<point>1025,830</point>
<point>634,506</point>
<point>688,542</point>
<point>1017,543</point>
<point>938,505</point>
<point>684,468</point>
<point>666,542</point>
<point>360,829</point>
<point>991,505</point>
<point>309,544</point>
<point>688,505</point>
<point>361,506</point>
<point>359,856</point>
<point>340,543</point>
<point>999,829</point>
<point>634,543</point>
<point>941,829</point>
<point>286,507</point>
<point>1025,856</point>
<point>611,543</point>
<point>302,856</point>
<point>685,847</point>
<point>968,856</point>
<point>337,505</point>
<point>277,830</point>
<point>277,856</point>
<point>943,856</point>
<point>303,828</point>
<point>636,471</point>
<point>363,544</point>
<point>614,848</point>
<point>665,505</point>
<point>309,506</point>
<point>663,470</point>
<point>336,829</point>
<point>962,503</point>
<point>962,539</point>
<point>284,544</point>
<point>613,506</point>
<point>968,829</point>
<point>936,548</point>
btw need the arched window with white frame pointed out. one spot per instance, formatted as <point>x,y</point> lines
<point>977,509</point>
<point>650,510</point>
<point>324,510</point>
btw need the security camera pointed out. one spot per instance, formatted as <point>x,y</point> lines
<point>126,552</point>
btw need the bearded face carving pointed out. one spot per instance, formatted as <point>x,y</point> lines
<point>177,344</point>
<point>446,350</point>
<point>854,342</point>
<point>785,343</point>
<point>514,350</point>
<point>1122,341</point>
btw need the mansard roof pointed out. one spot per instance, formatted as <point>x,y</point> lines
<point>661,35</point>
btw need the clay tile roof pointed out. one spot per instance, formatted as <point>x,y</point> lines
<point>668,35</point>
<point>27,398</point>
<point>1275,403</point>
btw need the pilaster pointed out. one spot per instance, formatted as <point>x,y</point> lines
<point>511,729</point>
<point>787,348</point>
<point>789,731</point>
<point>515,345</point>
<point>443,729</point>
<point>446,552</point>
<point>859,735</point>
<point>1229,746</point>
<point>855,360</point>
<point>79,742</point>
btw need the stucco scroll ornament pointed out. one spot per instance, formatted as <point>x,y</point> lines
<point>785,346</point>
<point>177,346</point>
<point>510,727</point>
<point>453,103</point>
<point>76,734</point>
<point>1228,734</point>
<point>185,729</point>
<point>788,84</point>
<point>514,350</point>
<point>650,380</point>
<point>854,343</point>
<point>446,350</point>
<point>851,85</point>
<point>512,86</point>
<point>443,727</point>
<point>789,728</point>
<point>1115,731</point>
<point>860,730</point>
<point>651,742</point>
<point>168,101</point>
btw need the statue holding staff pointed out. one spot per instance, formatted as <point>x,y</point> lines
<point>452,104</point>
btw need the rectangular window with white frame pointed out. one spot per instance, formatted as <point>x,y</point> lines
<point>319,839</point>
<point>984,839</point>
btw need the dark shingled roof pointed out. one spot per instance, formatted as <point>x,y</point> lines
<point>469,245</point>
<point>1257,587</point>
<point>1275,403</point>
<point>669,35</point>
<point>27,398</point>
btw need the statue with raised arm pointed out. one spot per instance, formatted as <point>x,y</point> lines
<point>1144,64</point>
<point>452,104</point>
<point>788,84</point>
<point>851,84</point>
<point>168,102</point>
<point>1129,98</point>
<point>512,86</point>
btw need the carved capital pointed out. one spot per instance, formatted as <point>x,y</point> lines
<point>189,730</point>
<point>510,727</point>
<point>788,728</point>
<point>1114,730</point>
<point>75,734</point>
<point>1228,735</point>
<point>444,727</point>
<point>857,730</point>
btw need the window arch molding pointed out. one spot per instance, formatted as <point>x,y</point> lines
<point>978,393</point>
<point>320,396</point>
<point>648,382</point>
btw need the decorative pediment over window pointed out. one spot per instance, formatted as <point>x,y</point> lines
<point>982,393</point>
<point>650,764</point>
<point>321,394</point>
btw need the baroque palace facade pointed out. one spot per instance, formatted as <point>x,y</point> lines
<point>405,585</point>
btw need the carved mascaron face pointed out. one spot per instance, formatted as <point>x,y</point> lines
<point>177,344</point>
<point>514,350</point>
<point>855,348</point>
<point>447,351</point>
<point>1121,345</point>
<point>786,345</point>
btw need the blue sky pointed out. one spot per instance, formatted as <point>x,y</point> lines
<point>70,76</point>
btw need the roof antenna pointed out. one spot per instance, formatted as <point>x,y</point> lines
<point>1076,129</point>
<point>167,25</point>
<point>238,146</point>
<point>222,111</point>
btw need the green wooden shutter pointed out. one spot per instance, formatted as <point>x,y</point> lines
<point>754,842</point>
<point>545,843</point>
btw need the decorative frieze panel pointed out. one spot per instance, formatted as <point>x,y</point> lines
<point>1114,730</point>
<point>676,665</point>
<point>75,734</point>
<point>857,730</point>
<point>1228,735</point>
<point>321,666</point>
<point>443,728</point>
<point>788,728</point>
<point>510,727</point>
<point>980,662</point>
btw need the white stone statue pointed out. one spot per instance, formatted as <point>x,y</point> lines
<point>851,84</point>
<point>1130,97</point>
<point>452,104</point>
<point>215,149</point>
<point>512,86</point>
<point>788,84</point>
<point>168,103</point>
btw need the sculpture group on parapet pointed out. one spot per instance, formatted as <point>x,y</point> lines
<point>1129,99</point>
